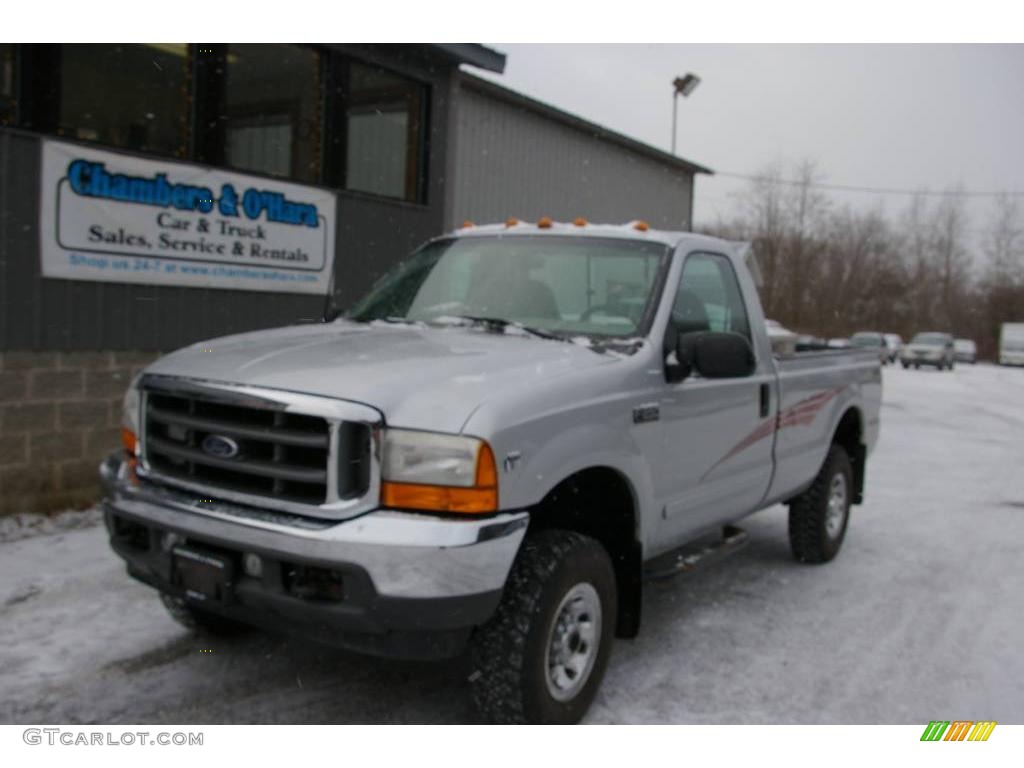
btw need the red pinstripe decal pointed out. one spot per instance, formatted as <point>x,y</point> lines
<point>800,414</point>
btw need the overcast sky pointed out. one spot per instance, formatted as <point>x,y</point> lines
<point>907,116</point>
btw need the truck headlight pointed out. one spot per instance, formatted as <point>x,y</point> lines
<point>437,472</point>
<point>130,407</point>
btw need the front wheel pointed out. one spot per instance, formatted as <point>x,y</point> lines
<point>818,517</point>
<point>541,657</point>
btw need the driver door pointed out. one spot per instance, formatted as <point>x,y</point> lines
<point>717,461</point>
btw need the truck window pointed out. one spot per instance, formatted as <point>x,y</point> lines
<point>709,297</point>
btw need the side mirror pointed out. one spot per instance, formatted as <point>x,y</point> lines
<point>713,355</point>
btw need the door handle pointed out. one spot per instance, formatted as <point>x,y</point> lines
<point>765,400</point>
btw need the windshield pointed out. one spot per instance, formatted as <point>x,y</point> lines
<point>563,285</point>
<point>866,340</point>
<point>930,339</point>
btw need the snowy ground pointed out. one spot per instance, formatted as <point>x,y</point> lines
<point>920,618</point>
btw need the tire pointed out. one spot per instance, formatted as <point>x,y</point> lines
<point>906,366</point>
<point>199,620</point>
<point>816,526</point>
<point>557,575</point>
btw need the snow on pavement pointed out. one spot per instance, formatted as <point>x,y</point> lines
<point>921,617</point>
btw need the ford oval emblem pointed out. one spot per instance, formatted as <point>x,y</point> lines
<point>220,447</point>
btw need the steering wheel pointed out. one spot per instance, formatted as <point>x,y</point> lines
<point>608,309</point>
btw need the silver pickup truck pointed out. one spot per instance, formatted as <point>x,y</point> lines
<point>492,450</point>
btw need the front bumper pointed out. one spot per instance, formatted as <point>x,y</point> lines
<point>927,359</point>
<point>414,585</point>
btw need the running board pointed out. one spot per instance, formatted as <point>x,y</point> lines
<point>691,557</point>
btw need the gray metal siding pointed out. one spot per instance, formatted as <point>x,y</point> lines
<point>511,161</point>
<point>48,314</point>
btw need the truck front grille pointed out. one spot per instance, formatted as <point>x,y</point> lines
<point>251,450</point>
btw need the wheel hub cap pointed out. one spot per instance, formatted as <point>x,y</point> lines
<point>572,644</point>
<point>835,514</point>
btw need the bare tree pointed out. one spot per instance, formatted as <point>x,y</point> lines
<point>1005,242</point>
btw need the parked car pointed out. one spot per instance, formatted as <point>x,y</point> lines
<point>808,343</point>
<point>783,340</point>
<point>895,342</point>
<point>935,349</point>
<point>872,340</point>
<point>965,351</point>
<point>1011,344</point>
<point>493,449</point>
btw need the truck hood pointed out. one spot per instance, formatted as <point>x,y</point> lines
<point>421,377</point>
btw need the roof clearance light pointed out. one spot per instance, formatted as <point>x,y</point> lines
<point>467,224</point>
<point>641,226</point>
<point>580,222</point>
<point>511,221</point>
<point>544,223</point>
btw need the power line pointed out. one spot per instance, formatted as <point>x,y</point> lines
<point>871,190</point>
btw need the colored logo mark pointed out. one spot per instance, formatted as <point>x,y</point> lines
<point>958,730</point>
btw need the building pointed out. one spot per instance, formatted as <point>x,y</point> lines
<point>155,195</point>
<point>516,156</point>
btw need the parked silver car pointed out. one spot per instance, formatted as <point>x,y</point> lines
<point>895,343</point>
<point>934,349</point>
<point>965,351</point>
<point>873,341</point>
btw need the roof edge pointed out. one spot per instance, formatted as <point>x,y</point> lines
<point>490,88</point>
<point>474,54</point>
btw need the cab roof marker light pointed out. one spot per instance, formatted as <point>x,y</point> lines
<point>641,226</point>
<point>511,221</point>
<point>579,221</point>
<point>467,224</point>
<point>544,222</point>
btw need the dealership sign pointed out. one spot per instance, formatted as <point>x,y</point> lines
<point>117,218</point>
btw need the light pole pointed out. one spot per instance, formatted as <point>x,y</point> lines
<point>685,86</point>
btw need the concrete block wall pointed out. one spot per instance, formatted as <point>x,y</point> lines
<point>60,414</point>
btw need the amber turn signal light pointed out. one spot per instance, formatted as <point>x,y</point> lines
<point>129,441</point>
<point>480,498</point>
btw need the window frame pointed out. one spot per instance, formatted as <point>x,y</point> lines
<point>336,162</point>
<point>11,101</point>
<point>669,344</point>
<point>37,78</point>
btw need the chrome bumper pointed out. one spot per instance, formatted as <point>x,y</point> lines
<point>405,555</point>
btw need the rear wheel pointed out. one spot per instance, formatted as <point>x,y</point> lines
<point>541,658</point>
<point>818,517</point>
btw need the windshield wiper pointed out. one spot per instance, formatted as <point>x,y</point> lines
<point>387,319</point>
<point>500,323</point>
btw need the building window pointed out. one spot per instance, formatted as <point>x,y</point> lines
<point>384,126</point>
<point>131,96</point>
<point>7,95</point>
<point>272,96</point>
